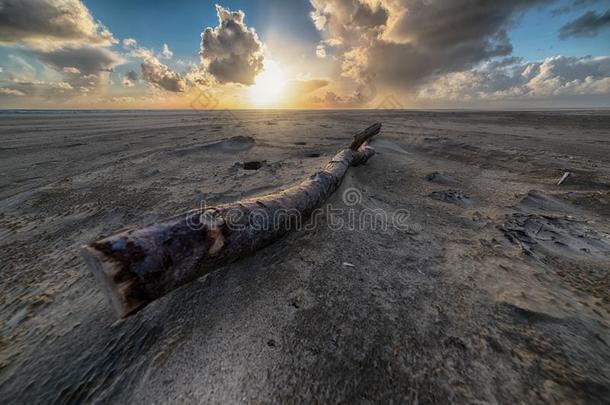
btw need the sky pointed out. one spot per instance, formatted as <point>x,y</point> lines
<point>305,54</point>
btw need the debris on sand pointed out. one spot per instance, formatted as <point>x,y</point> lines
<point>442,178</point>
<point>456,197</point>
<point>544,235</point>
<point>536,201</point>
<point>567,176</point>
<point>347,264</point>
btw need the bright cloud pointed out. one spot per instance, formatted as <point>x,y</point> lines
<point>553,77</point>
<point>161,76</point>
<point>166,52</point>
<point>430,52</point>
<point>231,51</point>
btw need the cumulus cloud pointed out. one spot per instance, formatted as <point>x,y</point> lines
<point>197,76</point>
<point>161,76</point>
<point>587,25</point>
<point>321,51</point>
<point>349,20</point>
<point>85,68</point>
<point>167,53</point>
<point>44,22</point>
<point>64,36</point>
<point>511,79</point>
<point>71,69</point>
<point>231,51</point>
<point>129,43</point>
<point>142,53</point>
<point>333,100</point>
<point>403,43</point>
<point>130,79</point>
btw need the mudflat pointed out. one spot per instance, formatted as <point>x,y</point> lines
<point>492,285</point>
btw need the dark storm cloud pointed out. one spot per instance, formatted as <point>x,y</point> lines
<point>85,68</point>
<point>446,24</point>
<point>63,35</point>
<point>573,6</point>
<point>587,25</point>
<point>403,43</point>
<point>231,51</point>
<point>49,21</point>
<point>87,59</point>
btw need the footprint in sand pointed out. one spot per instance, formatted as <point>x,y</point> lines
<point>233,144</point>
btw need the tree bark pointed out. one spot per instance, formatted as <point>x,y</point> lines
<point>140,265</point>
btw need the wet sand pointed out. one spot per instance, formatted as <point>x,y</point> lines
<point>498,290</point>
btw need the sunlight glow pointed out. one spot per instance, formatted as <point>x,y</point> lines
<point>269,87</point>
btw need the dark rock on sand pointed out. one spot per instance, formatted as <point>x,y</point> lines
<point>452,197</point>
<point>442,178</point>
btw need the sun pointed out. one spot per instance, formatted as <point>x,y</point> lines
<point>269,87</point>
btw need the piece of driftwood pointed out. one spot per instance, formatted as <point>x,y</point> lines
<point>567,176</point>
<point>140,265</point>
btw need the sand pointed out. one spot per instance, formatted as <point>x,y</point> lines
<point>498,290</point>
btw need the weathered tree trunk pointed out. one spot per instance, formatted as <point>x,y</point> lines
<point>138,266</point>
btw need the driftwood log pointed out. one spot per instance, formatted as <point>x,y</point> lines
<point>138,266</point>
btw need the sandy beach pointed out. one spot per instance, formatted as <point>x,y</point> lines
<point>497,291</point>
